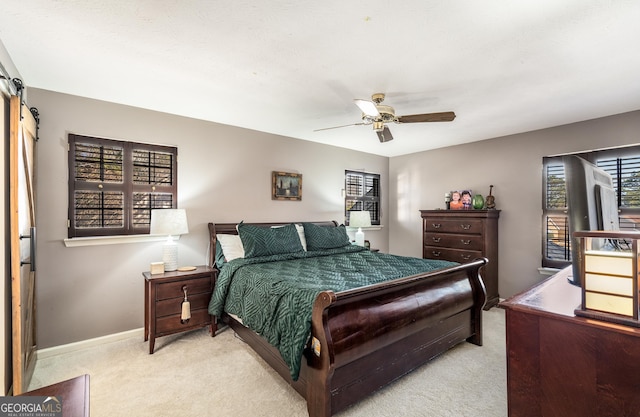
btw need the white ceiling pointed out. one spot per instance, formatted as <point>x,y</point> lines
<point>290,67</point>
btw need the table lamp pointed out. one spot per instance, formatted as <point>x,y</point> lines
<point>169,222</point>
<point>359,219</point>
<point>610,276</point>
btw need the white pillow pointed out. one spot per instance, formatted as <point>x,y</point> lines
<point>231,246</point>
<point>300,229</point>
<point>303,239</point>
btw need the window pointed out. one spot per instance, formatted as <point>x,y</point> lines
<point>623,164</point>
<point>113,185</point>
<point>362,192</point>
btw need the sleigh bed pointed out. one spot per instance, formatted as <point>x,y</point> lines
<point>358,339</point>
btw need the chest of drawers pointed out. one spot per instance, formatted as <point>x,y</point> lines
<point>461,236</point>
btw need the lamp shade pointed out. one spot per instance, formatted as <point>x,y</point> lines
<point>359,219</point>
<point>169,222</point>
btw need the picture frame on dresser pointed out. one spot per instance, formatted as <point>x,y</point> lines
<point>460,199</point>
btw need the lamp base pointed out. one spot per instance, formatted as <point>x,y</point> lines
<point>360,237</point>
<point>608,317</point>
<point>170,256</point>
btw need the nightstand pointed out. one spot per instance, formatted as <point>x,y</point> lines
<point>163,297</point>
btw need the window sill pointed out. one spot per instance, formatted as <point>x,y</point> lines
<point>548,271</point>
<point>112,240</point>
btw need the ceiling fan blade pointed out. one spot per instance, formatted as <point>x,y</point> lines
<point>368,107</point>
<point>338,127</point>
<point>446,116</point>
<point>384,135</point>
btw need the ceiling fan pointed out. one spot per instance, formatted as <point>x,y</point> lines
<point>377,114</point>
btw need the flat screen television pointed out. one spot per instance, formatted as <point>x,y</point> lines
<point>592,204</point>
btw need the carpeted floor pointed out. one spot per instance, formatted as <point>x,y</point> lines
<point>193,374</point>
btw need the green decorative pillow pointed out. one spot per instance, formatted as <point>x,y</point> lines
<point>325,237</point>
<point>265,241</point>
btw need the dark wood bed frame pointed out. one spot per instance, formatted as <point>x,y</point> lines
<point>370,336</point>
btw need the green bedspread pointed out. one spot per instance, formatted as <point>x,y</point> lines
<point>274,295</point>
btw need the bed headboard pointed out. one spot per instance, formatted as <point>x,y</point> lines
<point>230,229</point>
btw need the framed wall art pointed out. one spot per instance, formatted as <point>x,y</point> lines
<point>286,186</point>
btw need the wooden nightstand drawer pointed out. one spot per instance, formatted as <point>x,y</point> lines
<point>453,255</point>
<point>174,305</point>
<point>454,226</point>
<point>174,289</point>
<point>173,324</point>
<point>447,240</point>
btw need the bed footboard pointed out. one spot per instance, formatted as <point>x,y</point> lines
<point>365,338</point>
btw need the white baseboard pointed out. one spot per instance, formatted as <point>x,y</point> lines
<point>83,344</point>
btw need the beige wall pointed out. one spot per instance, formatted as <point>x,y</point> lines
<point>513,164</point>
<point>224,175</point>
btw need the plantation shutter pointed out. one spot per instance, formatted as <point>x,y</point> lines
<point>556,244</point>
<point>362,192</point>
<point>113,185</point>
<point>625,171</point>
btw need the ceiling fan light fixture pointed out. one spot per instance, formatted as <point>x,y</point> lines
<point>378,126</point>
<point>367,107</point>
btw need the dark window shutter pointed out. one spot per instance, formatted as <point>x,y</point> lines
<point>362,192</point>
<point>113,185</point>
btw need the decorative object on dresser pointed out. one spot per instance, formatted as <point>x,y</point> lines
<point>559,364</point>
<point>170,223</point>
<point>176,302</point>
<point>461,236</point>
<point>478,202</point>
<point>490,201</point>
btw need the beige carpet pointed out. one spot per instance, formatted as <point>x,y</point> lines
<point>193,374</point>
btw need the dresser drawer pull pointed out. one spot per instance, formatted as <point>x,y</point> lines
<point>436,239</point>
<point>465,226</point>
<point>466,257</point>
<point>465,242</point>
<point>186,308</point>
<point>436,225</point>
<point>435,253</point>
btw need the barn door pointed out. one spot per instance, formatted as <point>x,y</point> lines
<point>23,133</point>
